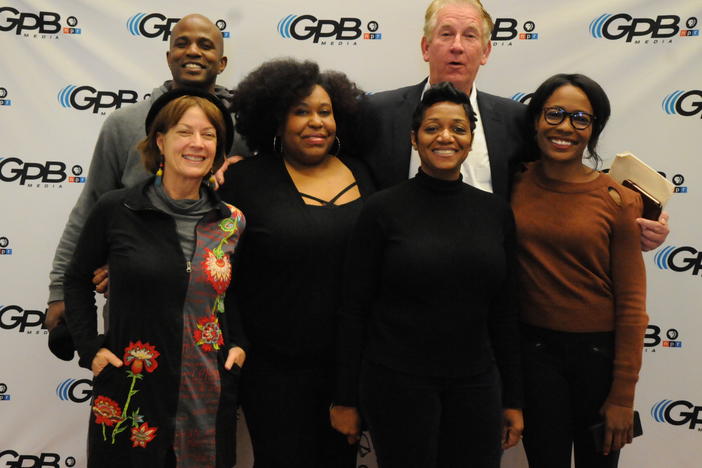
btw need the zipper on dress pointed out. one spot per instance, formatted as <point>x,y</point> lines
<point>188,266</point>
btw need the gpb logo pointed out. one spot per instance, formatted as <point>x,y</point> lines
<point>522,97</point>
<point>674,412</point>
<point>13,316</point>
<point>675,258</point>
<point>86,97</point>
<point>307,26</point>
<point>52,172</point>
<point>45,22</point>
<point>653,337</point>
<point>3,95</point>
<point>506,29</point>
<point>151,25</point>
<point>13,459</point>
<point>621,25</point>
<point>77,391</point>
<point>685,103</point>
<point>4,242</point>
<point>3,395</point>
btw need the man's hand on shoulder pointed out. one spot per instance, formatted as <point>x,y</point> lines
<point>219,175</point>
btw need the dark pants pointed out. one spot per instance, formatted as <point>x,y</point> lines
<point>567,377</point>
<point>287,413</point>
<point>428,422</point>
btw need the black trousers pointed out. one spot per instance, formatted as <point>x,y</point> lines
<point>428,422</point>
<point>287,414</point>
<point>567,377</point>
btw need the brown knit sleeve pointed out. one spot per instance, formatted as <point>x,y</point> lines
<point>629,283</point>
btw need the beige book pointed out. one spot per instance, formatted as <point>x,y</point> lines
<point>627,166</point>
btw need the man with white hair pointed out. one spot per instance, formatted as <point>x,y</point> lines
<point>455,44</point>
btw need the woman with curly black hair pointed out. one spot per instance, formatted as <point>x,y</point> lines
<point>301,196</point>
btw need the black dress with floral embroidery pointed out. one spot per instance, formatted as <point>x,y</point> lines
<point>167,322</point>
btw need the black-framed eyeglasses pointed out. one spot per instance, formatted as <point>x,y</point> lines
<point>579,120</point>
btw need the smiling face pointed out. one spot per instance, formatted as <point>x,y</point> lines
<point>457,47</point>
<point>443,140</point>
<point>196,56</point>
<point>563,142</point>
<point>188,148</point>
<point>309,129</point>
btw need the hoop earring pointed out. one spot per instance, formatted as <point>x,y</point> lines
<point>275,144</point>
<point>338,146</point>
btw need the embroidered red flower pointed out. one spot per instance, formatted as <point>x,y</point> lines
<point>208,334</point>
<point>142,435</point>
<point>139,355</point>
<point>106,410</point>
<point>218,270</point>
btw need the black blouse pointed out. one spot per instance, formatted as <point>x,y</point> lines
<point>287,277</point>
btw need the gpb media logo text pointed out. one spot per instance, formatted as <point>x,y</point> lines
<point>679,259</point>
<point>43,22</point>
<point>14,459</point>
<point>24,320</point>
<point>87,97</point>
<point>154,25</point>
<point>685,103</point>
<point>305,27</point>
<point>50,172</point>
<point>623,25</point>
<point>506,29</point>
<point>75,390</point>
<point>653,339</point>
<point>677,413</point>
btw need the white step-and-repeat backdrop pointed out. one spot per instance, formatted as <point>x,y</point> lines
<point>67,64</point>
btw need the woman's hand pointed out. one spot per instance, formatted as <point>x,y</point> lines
<point>102,358</point>
<point>512,428</point>
<point>346,420</point>
<point>236,356</point>
<point>619,427</point>
<point>653,233</point>
<point>101,280</point>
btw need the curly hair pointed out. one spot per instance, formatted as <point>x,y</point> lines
<point>264,97</point>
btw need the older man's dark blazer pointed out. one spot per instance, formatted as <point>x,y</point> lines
<point>386,121</point>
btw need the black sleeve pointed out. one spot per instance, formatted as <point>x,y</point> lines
<point>232,312</point>
<point>229,193</point>
<point>504,323</point>
<point>90,253</point>
<point>361,280</point>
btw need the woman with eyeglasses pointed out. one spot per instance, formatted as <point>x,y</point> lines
<point>582,283</point>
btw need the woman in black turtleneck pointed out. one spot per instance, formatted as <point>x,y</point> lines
<point>428,333</point>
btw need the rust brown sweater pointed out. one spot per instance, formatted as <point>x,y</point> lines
<point>580,265</point>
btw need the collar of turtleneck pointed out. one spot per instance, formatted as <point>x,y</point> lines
<point>438,185</point>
